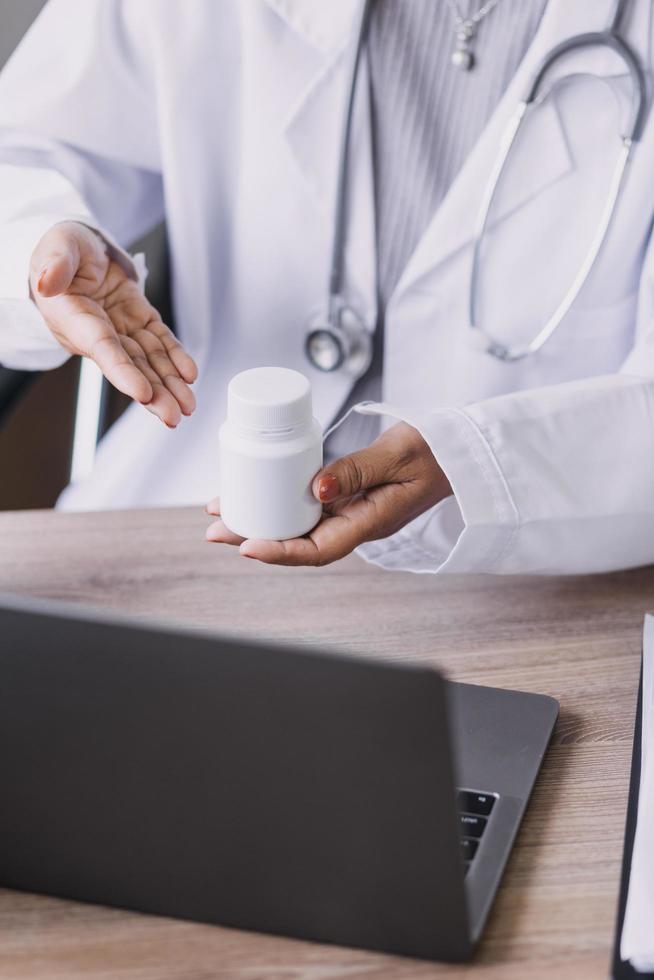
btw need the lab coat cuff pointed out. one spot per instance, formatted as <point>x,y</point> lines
<point>422,546</point>
<point>26,344</point>
<point>468,532</point>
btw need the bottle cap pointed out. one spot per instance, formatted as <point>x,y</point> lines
<point>269,399</point>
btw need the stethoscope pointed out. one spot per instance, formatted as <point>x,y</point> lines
<point>341,339</point>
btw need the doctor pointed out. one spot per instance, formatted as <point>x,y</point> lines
<point>228,118</point>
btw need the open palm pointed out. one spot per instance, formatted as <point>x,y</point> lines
<point>95,309</point>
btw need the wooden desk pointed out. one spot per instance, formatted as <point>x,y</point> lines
<point>577,639</point>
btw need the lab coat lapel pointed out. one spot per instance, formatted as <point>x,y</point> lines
<point>452,227</point>
<point>314,130</point>
<point>326,26</point>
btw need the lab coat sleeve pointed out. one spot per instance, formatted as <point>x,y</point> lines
<point>554,480</point>
<point>83,147</point>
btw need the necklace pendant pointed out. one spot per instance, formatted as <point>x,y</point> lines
<point>463,59</point>
<point>462,56</point>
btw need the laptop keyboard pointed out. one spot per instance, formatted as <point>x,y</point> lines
<point>474,808</point>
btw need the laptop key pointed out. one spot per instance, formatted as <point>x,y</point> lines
<point>471,826</point>
<point>481,803</point>
<point>468,848</point>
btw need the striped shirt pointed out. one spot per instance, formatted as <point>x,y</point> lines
<point>427,115</point>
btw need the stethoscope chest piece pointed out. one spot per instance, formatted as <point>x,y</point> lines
<point>340,340</point>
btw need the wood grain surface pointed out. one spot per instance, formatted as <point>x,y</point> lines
<point>577,639</point>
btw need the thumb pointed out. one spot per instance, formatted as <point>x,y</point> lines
<point>55,262</point>
<point>56,274</point>
<point>351,474</point>
<point>58,256</point>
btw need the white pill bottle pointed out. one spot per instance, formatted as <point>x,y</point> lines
<point>270,448</point>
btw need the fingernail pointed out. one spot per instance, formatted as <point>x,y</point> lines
<point>327,487</point>
<point>44,272</point>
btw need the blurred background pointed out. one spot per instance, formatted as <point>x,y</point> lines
<point>36,442</point>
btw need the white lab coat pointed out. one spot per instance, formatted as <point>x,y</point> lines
<point>226,116</point>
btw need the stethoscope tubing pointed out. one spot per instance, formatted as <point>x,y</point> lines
<point>606,39</point>
<point>610,39</point>
<point>337,266</point>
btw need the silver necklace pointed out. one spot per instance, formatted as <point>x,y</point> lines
<point>465,29</point>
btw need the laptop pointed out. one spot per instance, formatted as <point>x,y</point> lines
<point>180,772</point>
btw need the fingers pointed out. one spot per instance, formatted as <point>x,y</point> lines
<point>332,539</point>
<point>182,361</point>
<point>152,345</point>
<point>359,471</point>
<point>219,532</point>
<point>144,337</point>
<point>94,309</point>
<point>379,513</point>
<point>297,551</point>
<point>156,356</point>
<point>371,494</point>
<point>213,507</point>
<point>115,363</point>
<point>162,403</point>
<point>181,393</point>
